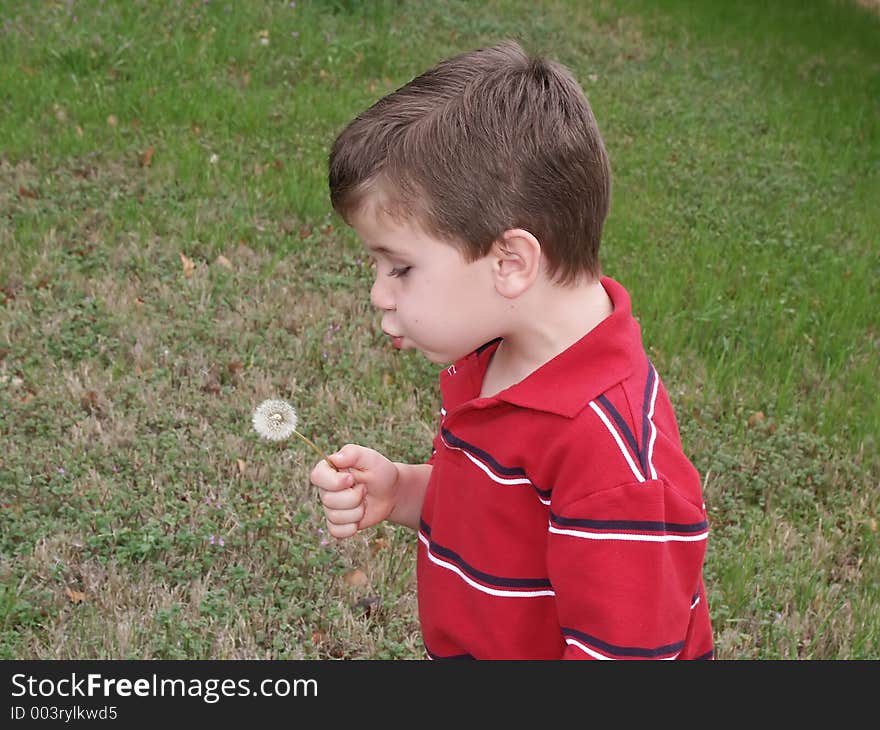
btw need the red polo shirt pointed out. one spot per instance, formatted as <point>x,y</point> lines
<point>562,519</point>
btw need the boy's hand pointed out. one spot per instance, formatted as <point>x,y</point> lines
<point>361,494</point>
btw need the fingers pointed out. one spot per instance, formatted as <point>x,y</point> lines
<point>342,499</point>
<point>344,510</point>
<point>342,531</point>
<point>324,477</point>
<point>340,517</point>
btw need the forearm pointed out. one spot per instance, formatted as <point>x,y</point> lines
<point>412,481</point>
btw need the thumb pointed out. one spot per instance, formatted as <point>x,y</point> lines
<point>349,456</point>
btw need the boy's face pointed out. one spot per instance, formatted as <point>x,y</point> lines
<point>431,299</point>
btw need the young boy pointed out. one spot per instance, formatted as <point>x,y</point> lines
<point>557,516</point>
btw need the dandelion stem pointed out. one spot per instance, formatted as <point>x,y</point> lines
<point>317,450</point>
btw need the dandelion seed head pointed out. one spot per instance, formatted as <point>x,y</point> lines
<point>275,420</point>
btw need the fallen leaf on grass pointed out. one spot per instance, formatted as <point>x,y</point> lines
<point>244,250</point>
<point>221,260</point>
<point>147,157</point>
<point>89,403</point>
<point>76,597</point>
<point>189,266</point>
<point>24,192</point>
<point>356,578</point>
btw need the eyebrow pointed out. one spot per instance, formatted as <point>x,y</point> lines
<point>382,250</point>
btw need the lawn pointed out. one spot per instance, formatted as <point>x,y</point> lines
<point>169,259</point>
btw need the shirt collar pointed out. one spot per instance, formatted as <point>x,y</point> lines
<point>605,356</point>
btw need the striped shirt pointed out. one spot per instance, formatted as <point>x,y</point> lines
<point>562,518</point>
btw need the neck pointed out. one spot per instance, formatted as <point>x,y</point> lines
<point>566,315</point>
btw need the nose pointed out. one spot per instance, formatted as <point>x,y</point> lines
<point>380,295</point>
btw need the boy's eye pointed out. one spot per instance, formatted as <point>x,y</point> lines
<point>399,271</point>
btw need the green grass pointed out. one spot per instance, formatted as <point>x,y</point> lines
<point>745,141</point>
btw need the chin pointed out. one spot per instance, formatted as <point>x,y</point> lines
<point>435,358</point>
<point>440,358</point>
<point>432,356</point>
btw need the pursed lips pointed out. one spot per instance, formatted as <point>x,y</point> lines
<point>396,340</point>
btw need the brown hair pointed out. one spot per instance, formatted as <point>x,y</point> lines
<point>482,142</point>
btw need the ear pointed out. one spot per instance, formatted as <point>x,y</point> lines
<point>516,261</point>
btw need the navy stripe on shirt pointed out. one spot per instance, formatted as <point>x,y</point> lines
<point>649,388</point>
<point>451,657</point>
<point>504,471</point>
<point>636,525</point>
<point>624,428</point>
<point>486,578</point>
<point>623,651</point>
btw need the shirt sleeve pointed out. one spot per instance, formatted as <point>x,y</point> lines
<point>626,567</point>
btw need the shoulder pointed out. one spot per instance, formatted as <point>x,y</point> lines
<point>625,435</point>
